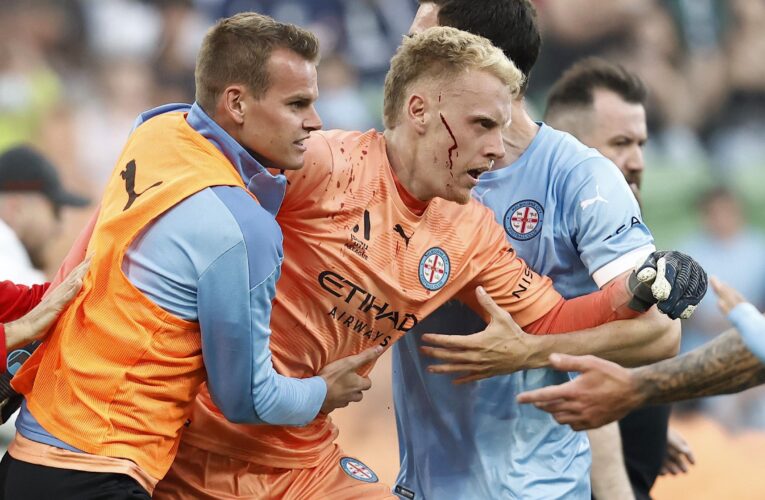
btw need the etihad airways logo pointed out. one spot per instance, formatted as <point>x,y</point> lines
<point>363,301</point>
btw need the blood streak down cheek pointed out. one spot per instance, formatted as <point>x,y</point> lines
<point>454,140</point>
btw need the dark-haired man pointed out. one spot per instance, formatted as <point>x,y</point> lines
<point>603,105</point>
<point>567,210</point>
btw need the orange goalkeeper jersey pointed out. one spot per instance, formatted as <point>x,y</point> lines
<point>360,269</point>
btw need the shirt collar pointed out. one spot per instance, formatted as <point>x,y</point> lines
<point>268,188</point>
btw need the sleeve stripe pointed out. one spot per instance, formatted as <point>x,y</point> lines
<point>624,263</point>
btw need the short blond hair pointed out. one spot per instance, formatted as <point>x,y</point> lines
<point>442,53</point>
<point>237,50</point>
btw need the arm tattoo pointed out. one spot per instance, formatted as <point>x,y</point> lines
<point>722,366</point>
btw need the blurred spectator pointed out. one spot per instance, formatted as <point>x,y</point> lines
<point>730,249</point>
<point>31,200</point>
<point>341,104</point>
<point>124,88</point>
<point>28,85</point>
<point>573,29</point>
<point>737,139</point>
<point>366,32</point>
<point>678,51</point>
<point>122,28</point>
<point>183,28</point>
<point>686,52</point>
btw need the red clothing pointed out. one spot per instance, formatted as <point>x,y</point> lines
<point>15,302</point>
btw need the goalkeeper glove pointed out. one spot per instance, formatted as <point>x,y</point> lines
<point>672,280</point>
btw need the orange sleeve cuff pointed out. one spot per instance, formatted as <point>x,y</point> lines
<point>587,311</point>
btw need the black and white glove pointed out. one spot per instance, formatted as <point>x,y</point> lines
<point>672,280</point>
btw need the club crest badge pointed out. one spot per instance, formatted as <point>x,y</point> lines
<point>523,220</point>
<point>357,470</point>
<point>434,269</point>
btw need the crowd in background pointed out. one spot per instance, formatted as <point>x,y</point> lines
<point>74,74</point>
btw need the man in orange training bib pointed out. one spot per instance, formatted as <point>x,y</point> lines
<point>185,257</point>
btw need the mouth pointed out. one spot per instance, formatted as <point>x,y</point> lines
<point>299,143</point>
<point>475,173</point>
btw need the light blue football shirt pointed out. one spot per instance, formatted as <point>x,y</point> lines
<point>570,214</point>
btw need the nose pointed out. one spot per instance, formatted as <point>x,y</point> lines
<point>495,147</point>
<point>312,121</point>
<point>634,161</point>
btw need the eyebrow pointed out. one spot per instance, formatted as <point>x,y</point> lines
<point>299,96</point>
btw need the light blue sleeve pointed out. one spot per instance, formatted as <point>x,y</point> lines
<point>606,224</point>
<point>215,258</point>
<point>751,326</point>
<point>234,304</point>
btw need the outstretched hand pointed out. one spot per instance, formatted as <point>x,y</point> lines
<point>679,456</point>
<point>602,393</point>
<point>35,323</point>
<point>344,384</point>
<point>727,296</point>
<point>503,347</point>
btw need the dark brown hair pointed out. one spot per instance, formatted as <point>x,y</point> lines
<point>237,50</point>
<point>576,86</point>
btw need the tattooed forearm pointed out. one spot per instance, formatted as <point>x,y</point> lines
<point>722,366</point>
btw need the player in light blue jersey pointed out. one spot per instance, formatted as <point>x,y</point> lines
<point>570,214</point>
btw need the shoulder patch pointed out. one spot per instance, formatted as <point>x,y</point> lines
<point>523,220</point>
<point>357,470</point>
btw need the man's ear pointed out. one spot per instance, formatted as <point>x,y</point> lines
<point>232,103</point>
<point>417,112</point>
